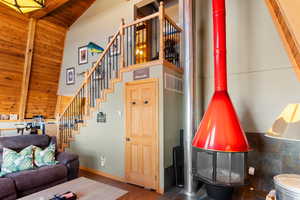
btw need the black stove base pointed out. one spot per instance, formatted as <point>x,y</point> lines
<point>219,192</point>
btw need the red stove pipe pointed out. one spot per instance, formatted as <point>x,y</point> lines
<point>220,129</point>
<point>219,19</point>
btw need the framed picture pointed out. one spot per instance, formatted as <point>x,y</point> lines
<point>13,117</point>
<point>83,55</point>
<point>4,117</point>
<point>115,49</point>
<point>70,76</point>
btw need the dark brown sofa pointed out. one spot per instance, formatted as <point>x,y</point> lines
<point>23,183</point>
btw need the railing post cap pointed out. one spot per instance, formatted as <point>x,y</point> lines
<point>123,21</point>
<point>161,3</point>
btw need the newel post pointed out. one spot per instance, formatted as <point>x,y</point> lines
<point>58,133</point>
<point>122,60</point>
<point>86,94</point>
<point>161,31</point>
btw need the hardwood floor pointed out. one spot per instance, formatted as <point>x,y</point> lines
<point>134,192</point>
<point>139,193</point>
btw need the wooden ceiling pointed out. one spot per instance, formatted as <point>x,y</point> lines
<point>51,27</point>
<point>50,5</point>
<point>62,12</point>
<point>69,12</point>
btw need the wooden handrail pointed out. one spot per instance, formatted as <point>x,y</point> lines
<point>142,20</point>
<point>90,73</point>
<point>102,55</point>
<point>173,23</point>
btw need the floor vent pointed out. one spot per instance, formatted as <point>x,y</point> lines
<point>173,83</point>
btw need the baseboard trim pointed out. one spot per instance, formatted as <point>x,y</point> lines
<point>101,173</point>
<point>116,178</point>
<point>160,191</point>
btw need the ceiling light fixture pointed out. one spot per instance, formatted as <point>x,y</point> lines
<point>24,6</point>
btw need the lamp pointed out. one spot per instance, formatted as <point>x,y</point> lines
<point>24,6</point>
<point>287,125</point>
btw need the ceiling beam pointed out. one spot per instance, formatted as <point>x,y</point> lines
<point>27,67</point>
<point>287,34</point>
<point>50,6</point>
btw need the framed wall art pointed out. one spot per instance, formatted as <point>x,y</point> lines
<point>70,76</point>
<point>83,55</point>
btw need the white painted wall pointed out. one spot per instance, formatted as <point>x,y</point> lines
<point>172,10</point>
<point>173,120</point>
<point>261,79</point>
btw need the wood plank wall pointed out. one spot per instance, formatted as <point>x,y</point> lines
<point>62,103</point>
<point>45,71</point>
<point>46,63</point>
<point>13,37</point>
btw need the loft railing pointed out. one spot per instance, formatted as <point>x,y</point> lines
<point>155,37</point>
<point>172,41</point>
<point>141,40</point>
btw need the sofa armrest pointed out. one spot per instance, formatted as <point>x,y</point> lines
<point>7,189</point>
<point>66,157</point>
<point>71,161</point>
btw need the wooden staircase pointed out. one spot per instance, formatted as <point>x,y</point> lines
<point>285,14</point>
<point>149,35</point>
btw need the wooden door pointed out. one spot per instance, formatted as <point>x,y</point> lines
<point>141,133</point>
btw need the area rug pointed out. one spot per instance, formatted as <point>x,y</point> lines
<point>84,188</point>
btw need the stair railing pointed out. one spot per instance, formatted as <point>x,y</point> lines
<point>97,80</point>
<point>172,36</point>
<point>142,40</point>
<point>155,37</point>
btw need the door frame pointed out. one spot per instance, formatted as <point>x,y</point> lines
<point>157,141</point>
<point>141,4</point>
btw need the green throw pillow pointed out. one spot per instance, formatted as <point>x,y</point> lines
<point>45,157</point>
<point>14,162</point>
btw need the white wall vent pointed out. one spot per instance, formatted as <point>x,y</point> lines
<point>173,83</point>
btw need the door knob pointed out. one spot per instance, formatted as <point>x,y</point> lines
<point>146,102</point>
<point>128,139</point>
